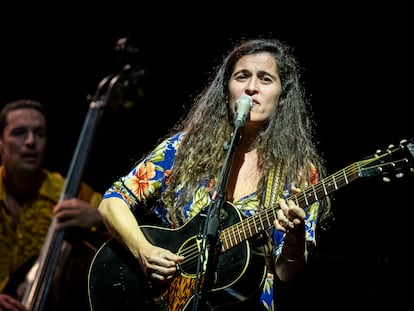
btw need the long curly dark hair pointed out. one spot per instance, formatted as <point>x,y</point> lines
<point>287,136</point>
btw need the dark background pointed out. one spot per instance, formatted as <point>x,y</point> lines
<point>357,69</point>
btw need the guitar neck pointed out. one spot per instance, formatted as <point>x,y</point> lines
<point>263,221</point>
<point>376,165</point>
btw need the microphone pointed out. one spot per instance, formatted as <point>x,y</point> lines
<point>244,104</point>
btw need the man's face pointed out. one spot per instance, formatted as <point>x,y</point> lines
<point>23,145</point>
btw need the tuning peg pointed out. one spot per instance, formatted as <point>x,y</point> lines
<point>399,175</point>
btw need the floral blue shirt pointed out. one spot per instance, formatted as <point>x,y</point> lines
<point>141,189</point>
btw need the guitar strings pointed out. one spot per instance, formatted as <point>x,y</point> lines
<point>247,228</point>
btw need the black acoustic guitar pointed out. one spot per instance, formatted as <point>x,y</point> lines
<point>116,282</point>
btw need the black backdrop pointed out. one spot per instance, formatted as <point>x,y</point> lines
<point>357,67</point>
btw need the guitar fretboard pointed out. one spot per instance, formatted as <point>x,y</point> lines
<point>262,221</point>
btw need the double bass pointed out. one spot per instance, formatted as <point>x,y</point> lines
<point>59,246</point>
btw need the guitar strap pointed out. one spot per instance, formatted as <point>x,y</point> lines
<point>274,187</point>
<point>274,191</point>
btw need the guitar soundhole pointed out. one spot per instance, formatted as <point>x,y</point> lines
<point>191,251</point>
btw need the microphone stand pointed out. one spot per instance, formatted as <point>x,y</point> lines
<point>211,244</point>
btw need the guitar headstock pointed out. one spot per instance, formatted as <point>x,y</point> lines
<point>393,162</point>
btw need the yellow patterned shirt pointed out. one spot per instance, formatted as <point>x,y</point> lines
<point>19,245</point>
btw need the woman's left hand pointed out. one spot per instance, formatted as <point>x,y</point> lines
<point>289,216</point>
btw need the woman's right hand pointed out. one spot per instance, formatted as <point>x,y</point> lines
<point>159,264</point>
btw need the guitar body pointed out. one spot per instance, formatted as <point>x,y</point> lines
<point>116,282</point>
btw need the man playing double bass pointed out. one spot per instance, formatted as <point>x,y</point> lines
<point>29,199</point>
